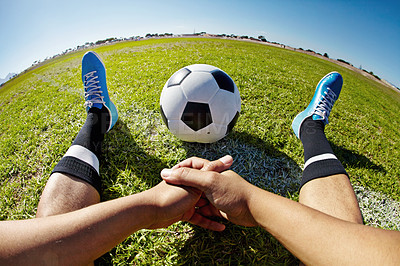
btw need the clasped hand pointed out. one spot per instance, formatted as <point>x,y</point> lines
<point>214,192</point>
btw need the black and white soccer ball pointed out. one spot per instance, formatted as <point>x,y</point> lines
<point>200,103</point>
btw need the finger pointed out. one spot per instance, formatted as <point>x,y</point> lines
<point>192,162</point>
<point>202,202</point>
<point>209,211</point>
<point>189,177</point>
<point>219,165</point>
<point>224,215</point>
<point>206,223</point>
<point>198,163</point>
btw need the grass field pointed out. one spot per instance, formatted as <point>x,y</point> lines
<point>42,111</point>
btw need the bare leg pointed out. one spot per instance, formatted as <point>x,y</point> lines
<point>332,195</point>
<point>65,193</point>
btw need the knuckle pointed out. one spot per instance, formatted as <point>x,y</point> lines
<point>212,177</point>
<point>209,166</point>
<point>180,172</point>
<point>229,172</point>
<point>195,158</point>
<point>183,171</point>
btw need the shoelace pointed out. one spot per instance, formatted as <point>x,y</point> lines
<point>324,107</point>
<point>92,90</point>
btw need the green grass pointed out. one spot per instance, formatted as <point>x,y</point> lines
<point>42,111</point>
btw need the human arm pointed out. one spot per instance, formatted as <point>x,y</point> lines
<point>81,236</point>
<point>312,236</point>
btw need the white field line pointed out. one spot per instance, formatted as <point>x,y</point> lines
<point>378,209</point>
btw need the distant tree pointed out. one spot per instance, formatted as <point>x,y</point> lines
<point>104,41</point>
<point>372,73</point>
<point>262,38</point>
<point>326,55</point>
<point>343,61</point>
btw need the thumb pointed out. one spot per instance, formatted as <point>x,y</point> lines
<point>189,177</point>
<point>219,165</point>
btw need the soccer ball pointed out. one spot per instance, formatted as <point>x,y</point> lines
<point>200,103</point>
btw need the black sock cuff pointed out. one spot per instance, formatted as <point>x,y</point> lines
<point>322,169</point>
<point>78,168</point>
<point>92,133</point>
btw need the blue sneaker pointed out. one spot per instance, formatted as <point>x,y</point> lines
<point>326,93</point>
<point>94,82</point>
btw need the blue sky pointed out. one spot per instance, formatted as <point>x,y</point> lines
<point>364,33</point>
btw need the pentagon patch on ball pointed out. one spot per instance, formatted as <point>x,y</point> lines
<point>200,103</point>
